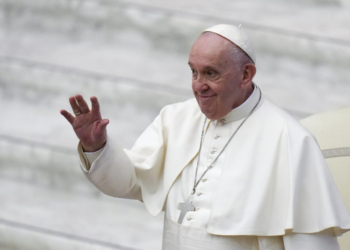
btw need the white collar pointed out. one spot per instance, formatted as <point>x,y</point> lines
<point>244,109</point>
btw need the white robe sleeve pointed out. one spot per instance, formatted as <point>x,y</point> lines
<point>138,173</point>
<point>111,171</point>
<point>324,240</point>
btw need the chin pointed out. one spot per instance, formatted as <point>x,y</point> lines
<point>209,115</point>
<point>213,118</point>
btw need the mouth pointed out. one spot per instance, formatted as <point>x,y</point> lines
<point>205,97</point>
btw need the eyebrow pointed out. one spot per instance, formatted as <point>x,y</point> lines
<point>207,66</point>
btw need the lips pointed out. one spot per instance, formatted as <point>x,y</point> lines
<point>206,95</point>
<point>206,98</point>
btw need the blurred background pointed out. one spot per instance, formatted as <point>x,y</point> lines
<point>133,56</point>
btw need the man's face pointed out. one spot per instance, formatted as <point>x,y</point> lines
<point>215,77</point>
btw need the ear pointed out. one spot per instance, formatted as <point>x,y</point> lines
<point>248,73</point>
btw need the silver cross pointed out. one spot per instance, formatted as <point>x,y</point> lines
<point>185,207</point>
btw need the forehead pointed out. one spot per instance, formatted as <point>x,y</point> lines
<point>210,48</point>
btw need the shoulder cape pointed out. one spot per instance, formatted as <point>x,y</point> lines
<point>275,180</point>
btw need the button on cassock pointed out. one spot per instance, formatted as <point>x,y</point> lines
<point>222,122</point>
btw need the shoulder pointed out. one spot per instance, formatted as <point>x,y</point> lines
<point>181,110</point>
<point>282,119</point>
<point>275,124</point>
<point>180,106</point>
<point>181,118</point>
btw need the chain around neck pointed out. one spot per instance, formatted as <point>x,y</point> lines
<point>195,184</point>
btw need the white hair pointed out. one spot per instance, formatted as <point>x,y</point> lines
<point>239,57</point>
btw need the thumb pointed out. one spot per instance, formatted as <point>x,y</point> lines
<point>101,127</point>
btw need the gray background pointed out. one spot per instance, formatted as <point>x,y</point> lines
<point>133,56</point>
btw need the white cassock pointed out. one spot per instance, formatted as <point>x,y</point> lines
<point>270,189</point>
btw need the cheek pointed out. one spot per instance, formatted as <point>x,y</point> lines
<point>227,95</point>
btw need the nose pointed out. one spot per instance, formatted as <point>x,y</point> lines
<point>199,84</point>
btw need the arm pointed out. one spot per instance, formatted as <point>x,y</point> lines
<point>111,171</point>
<point>91,130</point>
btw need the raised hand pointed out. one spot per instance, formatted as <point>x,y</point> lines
<point>88,125</point>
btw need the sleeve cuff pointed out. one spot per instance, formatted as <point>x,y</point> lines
<point>87,158</point>
<point>92,156</point>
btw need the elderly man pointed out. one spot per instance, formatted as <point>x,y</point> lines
<point>230,169</point>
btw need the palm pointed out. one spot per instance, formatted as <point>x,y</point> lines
<point>88,124</point>
<point>85,127</point>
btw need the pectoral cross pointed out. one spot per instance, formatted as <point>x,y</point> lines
<point>185,207</point>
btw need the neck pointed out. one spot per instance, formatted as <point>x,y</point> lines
<point>246,94</point>
<point>241,111</point>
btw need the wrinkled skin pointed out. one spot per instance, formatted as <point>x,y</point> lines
<point>218,84</point>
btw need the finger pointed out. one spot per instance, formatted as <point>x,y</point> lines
<point>68,116</point>
<point>95,106</point>
<point>74,105</point>
<point>82,104</point>
<point>102,126</point>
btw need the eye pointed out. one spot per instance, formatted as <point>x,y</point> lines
<point>211,73</point>
<point>194,73</point>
